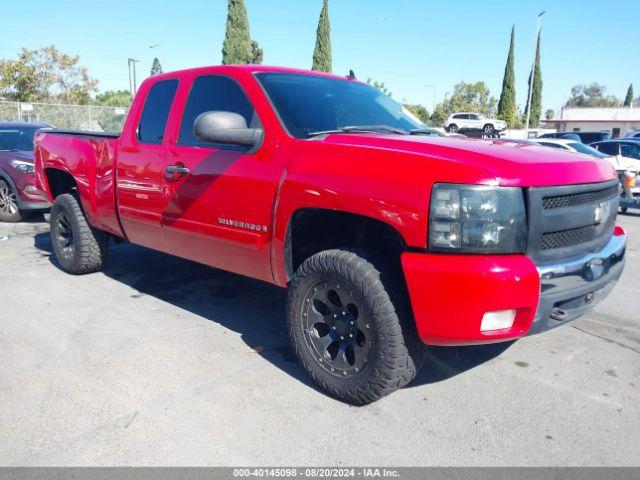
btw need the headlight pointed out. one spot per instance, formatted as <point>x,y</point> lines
<point>24,167</point>
<point>477,219</point>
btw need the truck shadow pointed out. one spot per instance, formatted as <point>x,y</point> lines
<point>252,308</point>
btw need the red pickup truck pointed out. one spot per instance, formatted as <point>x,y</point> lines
<point>388,239</point>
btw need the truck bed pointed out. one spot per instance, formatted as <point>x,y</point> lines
<point>88,157</point>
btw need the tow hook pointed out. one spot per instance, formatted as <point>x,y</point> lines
<point>558,314</point>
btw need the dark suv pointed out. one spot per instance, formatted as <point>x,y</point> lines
<point>18,194</point>
<point>584,137</point>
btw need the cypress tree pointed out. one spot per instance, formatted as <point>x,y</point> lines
<point>156,68</point>
<point>322,52</point>
<point>507,103</point>
<point>628,100</point>
<point>536,95</point>
<point>237,48</point>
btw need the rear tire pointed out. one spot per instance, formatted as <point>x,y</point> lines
<point>9,211</point>
<point>78,247</point>
<point>350,332</point>
<point>453,128</point>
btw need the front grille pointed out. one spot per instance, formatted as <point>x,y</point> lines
<point>568,238</point>
<point>568,221</point>
<point>562,201</point>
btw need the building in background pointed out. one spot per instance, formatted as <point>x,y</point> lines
<point>616,121</point>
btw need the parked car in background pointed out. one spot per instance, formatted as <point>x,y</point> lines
<point>18,194</point>
<point>571,146</point>
<point>468,121</point>
<point>387,240</point>
<point>626,150</point>
<point>584,137</point>
<point>633,133</point>
<point>565,135</point>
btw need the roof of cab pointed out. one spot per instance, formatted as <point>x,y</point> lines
<point>246,68</point>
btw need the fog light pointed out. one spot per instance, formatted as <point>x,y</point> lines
<point>31,189</point>
<point>497,320</point>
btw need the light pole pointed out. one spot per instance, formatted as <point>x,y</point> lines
<point>533,76</point>
<point>133,86</point>
<point>158,45</point>
<point>433,106</point>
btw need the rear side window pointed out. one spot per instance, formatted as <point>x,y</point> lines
<point>608,148</point>
<point>212,93</point>
<point>155,113</point>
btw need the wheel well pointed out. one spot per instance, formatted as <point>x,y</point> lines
<point>60,182</point>
<point>313,230</point>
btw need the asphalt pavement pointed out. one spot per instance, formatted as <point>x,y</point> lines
<point>160,361</point>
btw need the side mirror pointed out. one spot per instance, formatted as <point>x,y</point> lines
<point>225,127</point>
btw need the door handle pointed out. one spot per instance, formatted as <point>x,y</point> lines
<point>174,172</point>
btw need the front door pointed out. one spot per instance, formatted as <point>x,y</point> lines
<point>221,205</point>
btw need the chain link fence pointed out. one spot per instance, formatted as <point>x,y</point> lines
<point>88,118</point>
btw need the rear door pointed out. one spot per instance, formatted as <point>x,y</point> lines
<point>220,211</point>
<point>141,187</point>
<point>474,121</point>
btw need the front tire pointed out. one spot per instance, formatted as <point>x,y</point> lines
<point>78,247</point>
<point>348,328</point>
<point>9,211</point>
<point>489,130</point>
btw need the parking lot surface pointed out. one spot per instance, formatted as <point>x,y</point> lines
<point>160,361</point>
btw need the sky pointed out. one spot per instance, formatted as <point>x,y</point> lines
<point>416,47</point>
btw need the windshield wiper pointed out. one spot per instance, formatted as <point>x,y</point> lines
<point>360,129</point>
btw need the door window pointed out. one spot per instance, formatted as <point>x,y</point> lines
<point>155,113</point>
<point>630,150</point>
<point>211,93</point>
<point>608,148</point>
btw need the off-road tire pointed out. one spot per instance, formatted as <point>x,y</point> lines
<point>396,352</point>
<point>89,245</point>
<point>11,196</point>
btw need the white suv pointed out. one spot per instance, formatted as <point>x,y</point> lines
<point>473,121</point>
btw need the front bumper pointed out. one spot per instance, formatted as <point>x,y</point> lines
<point>451,293</point>
<point>570,289</point>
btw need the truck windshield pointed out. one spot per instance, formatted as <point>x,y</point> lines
<point>17,139</point>
<point>308,104</point>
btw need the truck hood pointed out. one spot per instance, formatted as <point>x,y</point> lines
<point>510,163</point>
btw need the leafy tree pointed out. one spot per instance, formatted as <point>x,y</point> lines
<point>549,114</point>
<point>419,111</point>
<point>629,98</point>
<point>380,86</point>
<point>156,68</point>
<point>466,97</point>
<point>592,95</point>
<point>237,48</point>
<point>322,53</point>
<point>507,104</point>
<point>113,98</point>
<point>257,54</point>
<point>46,75</point>
<point>536,93</point>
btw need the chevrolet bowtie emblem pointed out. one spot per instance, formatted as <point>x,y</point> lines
<point>599,213</point>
